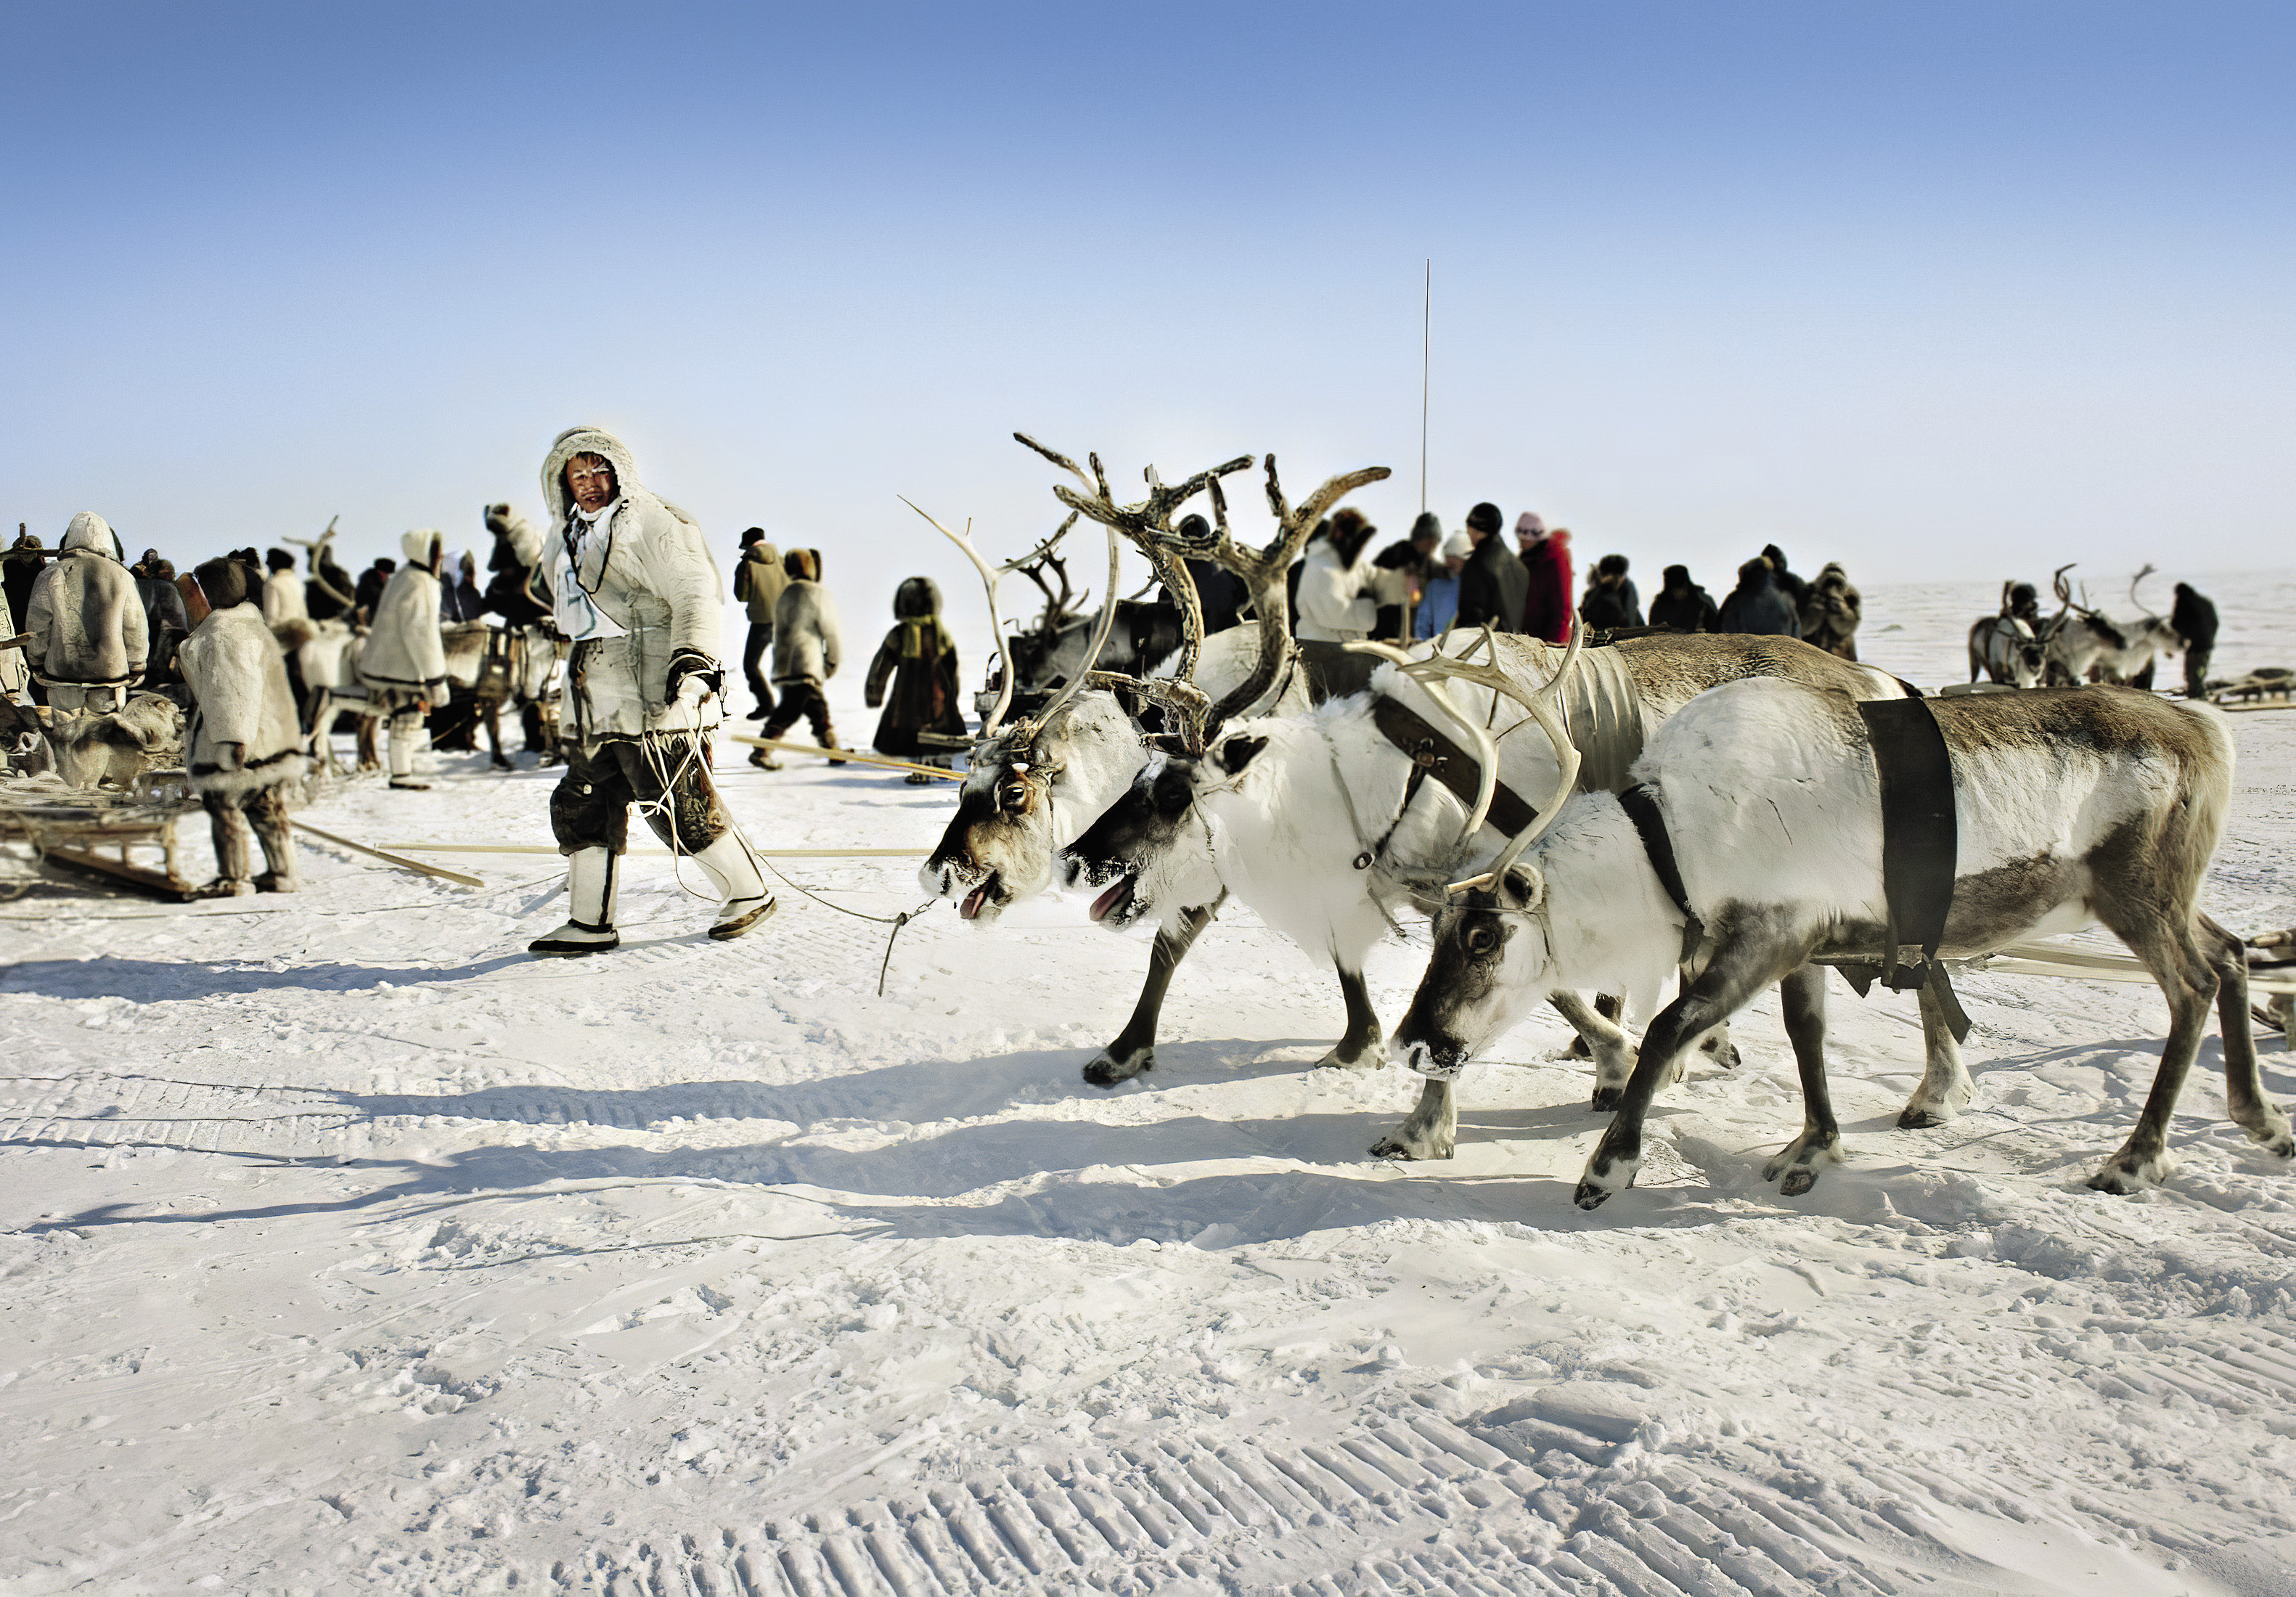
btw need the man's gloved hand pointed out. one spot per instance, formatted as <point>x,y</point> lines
<point>694,676</point>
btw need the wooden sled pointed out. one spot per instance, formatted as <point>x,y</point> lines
<point>106,834</point>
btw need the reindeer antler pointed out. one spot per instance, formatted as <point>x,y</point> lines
<point>1544,705</point>
<point>2134,602</point>
<point>2064,593</point>
<point>1264,570</point>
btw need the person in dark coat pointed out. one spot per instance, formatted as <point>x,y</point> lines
<point>918,661</point>
<point>2195,621</point>
<point>1492,584</point>
<point>369,592</point>
<point>329,592</point>
<point>1416,558</point>
<point>1830,610</point>
<point>1795,588</point>
<point>1611,601</point>
<point>1682,605</point>
<point>2025,605</point>
<point>1545,556</point>
<point>20,570</point>
<point>167,623</point>
<point>1757,606</point>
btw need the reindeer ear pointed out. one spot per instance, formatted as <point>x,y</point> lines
<point>1239,752</point>
<point>1527,886</point>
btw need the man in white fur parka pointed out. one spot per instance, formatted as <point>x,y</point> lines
<point>633,584</point>
<point>245,742</point>
<point>403,662</point>
<point>89,635</point>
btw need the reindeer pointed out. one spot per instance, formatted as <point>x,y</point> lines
<point>1060,648</point>
<point>1035,782</point>
<point>1761,838</point>
<point>1320,825</point>
<point>2085,644</point>
<point>2002,648</point>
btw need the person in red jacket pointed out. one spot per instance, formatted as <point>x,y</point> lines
<point>1546,560</point>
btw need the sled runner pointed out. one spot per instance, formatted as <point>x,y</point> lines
<point>108,834</point>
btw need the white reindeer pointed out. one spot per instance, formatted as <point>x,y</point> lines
<point>1034,784</point>
<point>1318,824</point>
<point>2083,640</point>
<point>2070,808</point>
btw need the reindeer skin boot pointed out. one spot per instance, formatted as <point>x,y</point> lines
<point>592,877</point>
<point>734,870</point>
<point>402,758</point>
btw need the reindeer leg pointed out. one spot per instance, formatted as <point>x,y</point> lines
<point>1432,1129</point>
<point>1945,1088</point>
<point>1613,1054</point>
<point>2190,985</point>
<point>1134,1050</point>
<point>1737,970</point>
<point>1363,1043</point>
<point>2245,1099</point>
<point>1803,995</point>
<point>1610,1009</point>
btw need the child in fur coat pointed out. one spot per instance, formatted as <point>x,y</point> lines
<point>245,742</point>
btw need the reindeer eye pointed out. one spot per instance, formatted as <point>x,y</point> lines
<point>1015,795</point>
<point>1480,940</point>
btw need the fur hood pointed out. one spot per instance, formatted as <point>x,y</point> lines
<point>916,598</point>
<point>238,678</point>
<point>91,534</point>
<point>426,548</point>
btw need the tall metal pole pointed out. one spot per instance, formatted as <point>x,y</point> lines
<point>1426,347</point>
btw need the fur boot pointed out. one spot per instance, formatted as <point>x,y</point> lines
<point>402,754</point>
<point>747,899</point>
<point>229,829</point>
<point>269,813</point>
<point>592,876</point>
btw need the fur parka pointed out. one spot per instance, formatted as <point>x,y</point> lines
<point>15,674</point>
<point>404,650</point>
<point>238,678</point>
<point>651,574</point>
<point>805,640</point>
<point>86,618</point>
<point>1338,600</point>
<point>283,599</point>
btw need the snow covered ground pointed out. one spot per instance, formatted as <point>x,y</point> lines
<point>347,1249</point>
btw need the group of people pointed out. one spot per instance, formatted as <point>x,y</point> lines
<point>1421,585</point>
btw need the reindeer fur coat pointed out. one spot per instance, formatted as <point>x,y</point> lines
<point>404,651</point>
<point>86,618</point>
<point>238,679</point>
<point>648,571</point>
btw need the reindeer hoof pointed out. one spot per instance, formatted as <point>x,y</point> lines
<point>1724,1054</point>
<point>1590,1195</point>
<point>1340,1059</point>
<point>2125,1178</point>
<point>1922,1119</point>
<point>1109,1071</point>
<point>1577,1048</point>
<point>1799,1180</point>
<point>1606,1099</point>
<point>1393,1146</point>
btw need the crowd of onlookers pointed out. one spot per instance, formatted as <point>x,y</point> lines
<point>1419,585</point>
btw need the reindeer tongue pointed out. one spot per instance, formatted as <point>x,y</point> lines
<point>970,908</point>
<point>1108,903</point>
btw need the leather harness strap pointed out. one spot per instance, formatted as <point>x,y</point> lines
<point>1433,754</point>
<point>1641,805</point>
<point>1920,841</point>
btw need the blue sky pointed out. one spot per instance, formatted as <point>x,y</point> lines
<point>1939,288</point>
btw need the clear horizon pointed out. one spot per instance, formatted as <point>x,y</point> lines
<point>1949,292</point>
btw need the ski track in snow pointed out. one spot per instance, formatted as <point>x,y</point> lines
<point>347,1249</point>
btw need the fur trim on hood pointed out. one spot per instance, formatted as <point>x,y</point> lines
<point>91,533</point>
<point>424,547</point>
<point>916,598</point>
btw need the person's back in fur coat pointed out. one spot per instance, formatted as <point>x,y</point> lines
<point>245,741</point>
<point>403,660</point>
<point>807,645</point>
<point>918,661</point>
<point>90,638</point>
